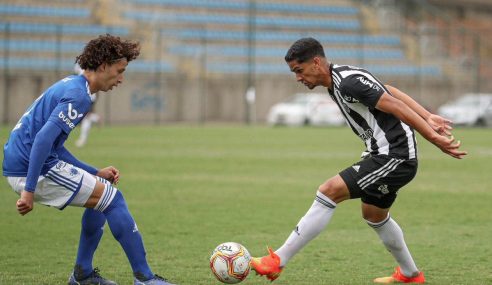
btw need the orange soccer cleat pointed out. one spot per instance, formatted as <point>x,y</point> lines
<point>398,277</point>
<point>267,265</point>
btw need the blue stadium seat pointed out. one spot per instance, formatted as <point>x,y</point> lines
<point>43,46</point>
<point>405,70</point>
<point>282,22</point>
<point>35,63</point>
<point>269,68</point>
<point>301,8</point>
<point>49,64</point>
<point>44,11</point>
<point>215,4</point>
<point>245,5</point>
<point>150,66</point>
<point>268,36</point>
<point>335,53</point>
<point>44,28</point>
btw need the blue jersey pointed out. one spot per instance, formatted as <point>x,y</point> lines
<point>65,104</point>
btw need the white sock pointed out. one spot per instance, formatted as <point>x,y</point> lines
<point>85,127</point>
<point>93,117</point>
<point>313,222</point>
<point>392,237</point>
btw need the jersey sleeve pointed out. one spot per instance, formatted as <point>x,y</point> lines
<point>365,90</point>
<point>70,110</point>
<point>40,151</point>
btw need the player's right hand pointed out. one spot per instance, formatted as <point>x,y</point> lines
<point>26,202</point>
<point>110,173</point>
<point>439,124</point>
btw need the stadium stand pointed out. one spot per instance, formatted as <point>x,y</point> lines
<point>44,11</point>
<point>215,44</point>
<point>195,28</point>
<point>65,29</point>
<point>199,27</point>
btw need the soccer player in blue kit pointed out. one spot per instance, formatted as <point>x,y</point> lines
<point>40,169</point>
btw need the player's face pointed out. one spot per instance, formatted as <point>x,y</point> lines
<point>306,73</point>
<point>113,74</point>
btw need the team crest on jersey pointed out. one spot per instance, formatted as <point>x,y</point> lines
<point>383,189</point>
<point>74,171</point>
<point>345,97</point>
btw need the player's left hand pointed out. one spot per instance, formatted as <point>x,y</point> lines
<point>25,203</point>
<point>110,173</point>
<point>439,124</point>
<point>449,146</point>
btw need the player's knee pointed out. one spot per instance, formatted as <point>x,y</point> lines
<point>334,191</point>
<point>373,215</point>
<point>92,221</point>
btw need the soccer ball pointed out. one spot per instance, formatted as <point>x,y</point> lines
<point>230,262</point>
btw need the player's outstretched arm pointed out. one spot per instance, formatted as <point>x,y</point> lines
<point>402,111</point>
<point>439,124</point>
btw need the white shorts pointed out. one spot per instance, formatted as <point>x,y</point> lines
<point>63,185</point>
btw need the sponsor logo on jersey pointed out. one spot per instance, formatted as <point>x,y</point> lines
<point>356,168</point>
<point>72,115</point>
<point>67,121</point>
<point>367,134</point>
<point>60,165</point>
<point>365,81</point>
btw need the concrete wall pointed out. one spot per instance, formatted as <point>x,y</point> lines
<point>150,99</point>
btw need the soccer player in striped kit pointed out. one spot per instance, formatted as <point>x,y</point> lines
<point>39,168</point>
<point>384,118</point>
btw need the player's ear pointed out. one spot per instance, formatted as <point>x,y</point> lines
<point>102,67</point>
<point>316,62</point>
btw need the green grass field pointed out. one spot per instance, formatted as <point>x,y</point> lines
<point>190,188</point>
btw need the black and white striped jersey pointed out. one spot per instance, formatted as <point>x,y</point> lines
<point>356,92</point>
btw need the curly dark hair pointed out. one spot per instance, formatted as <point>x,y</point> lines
<point>304,49</point>
<point>107,49</point>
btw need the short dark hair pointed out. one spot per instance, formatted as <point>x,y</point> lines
<point>304,49</point>
<point>107,49</point>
